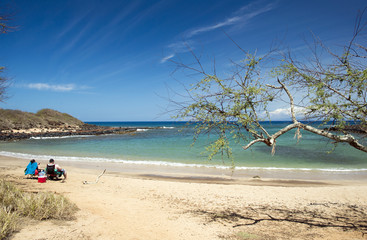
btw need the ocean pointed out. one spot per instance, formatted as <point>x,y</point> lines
<point>170,144</point>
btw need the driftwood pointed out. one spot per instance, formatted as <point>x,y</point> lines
<point>86,182</point>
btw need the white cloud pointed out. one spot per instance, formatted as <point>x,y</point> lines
<point>50,87</point>
<point>285,113</point>
<point>166,58</point>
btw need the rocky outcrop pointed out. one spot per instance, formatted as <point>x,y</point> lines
<point>17,125</point>
<point>87,129</point>
<point>352,129</point>
<point>43,119</point>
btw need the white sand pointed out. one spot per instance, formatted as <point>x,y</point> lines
<point>160,205</point>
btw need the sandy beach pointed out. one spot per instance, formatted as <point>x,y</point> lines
<point>148,203</point>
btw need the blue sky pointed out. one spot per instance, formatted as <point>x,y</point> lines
<point>108,60</point>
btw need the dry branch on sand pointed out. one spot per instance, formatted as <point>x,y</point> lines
<point>346,217</point>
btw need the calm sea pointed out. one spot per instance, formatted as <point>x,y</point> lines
<point>171,144</point>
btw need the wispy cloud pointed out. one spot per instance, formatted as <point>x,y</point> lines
<point>180,46</point>
<point>76,39</point>
<point>227,22</point>
<point>74,22</point>
<point>241,16</point>
<point>177,47</point>
<point>50,87</point>
<point>166,58</point>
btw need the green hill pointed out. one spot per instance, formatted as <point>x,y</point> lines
<point>45,118</point>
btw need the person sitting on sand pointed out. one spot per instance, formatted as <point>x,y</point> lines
<point>32,168</point>
<point>58,170</point>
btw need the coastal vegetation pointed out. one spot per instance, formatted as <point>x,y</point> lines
<point>18,206</point>
<point>330,90</point>
<point>45,118</point>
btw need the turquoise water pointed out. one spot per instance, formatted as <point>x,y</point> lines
<point>170,144</point>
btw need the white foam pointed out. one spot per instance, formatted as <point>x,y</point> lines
<point>60,137</point>
<point>164,127</point>
<point>142,130</point>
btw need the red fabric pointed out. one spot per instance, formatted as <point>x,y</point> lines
<point>36,172</point>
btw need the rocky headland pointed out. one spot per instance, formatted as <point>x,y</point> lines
<point>17,125</point>
<point>357,128</point>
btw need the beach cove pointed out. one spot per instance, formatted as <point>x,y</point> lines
<point>218,120</point>
<point>157,186</point>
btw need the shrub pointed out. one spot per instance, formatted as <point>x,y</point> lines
<point>44,206</point>
<point>15,203</point>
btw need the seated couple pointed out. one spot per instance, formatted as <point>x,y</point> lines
<point>53,170</point>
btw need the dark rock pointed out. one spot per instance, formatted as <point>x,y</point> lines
<point>85,130</point>
<point>352,129</point>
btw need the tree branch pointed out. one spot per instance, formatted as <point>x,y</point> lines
<point>291,101</point>
<point>253,142</point>
<point>338,138</point>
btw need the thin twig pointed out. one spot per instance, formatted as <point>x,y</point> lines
<point>85,182</point>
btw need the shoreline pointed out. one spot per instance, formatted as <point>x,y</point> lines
<point>195,173</point>
<point>156,149</point>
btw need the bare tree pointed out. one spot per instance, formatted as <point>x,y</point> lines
<point>4,28</point>
<point>3,85</point>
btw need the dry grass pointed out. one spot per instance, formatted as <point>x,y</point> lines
<point>8,222</point>
<point>9,195</point>
<point>44,206</point>
<point>45,118</point>
<point>15,203</point>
